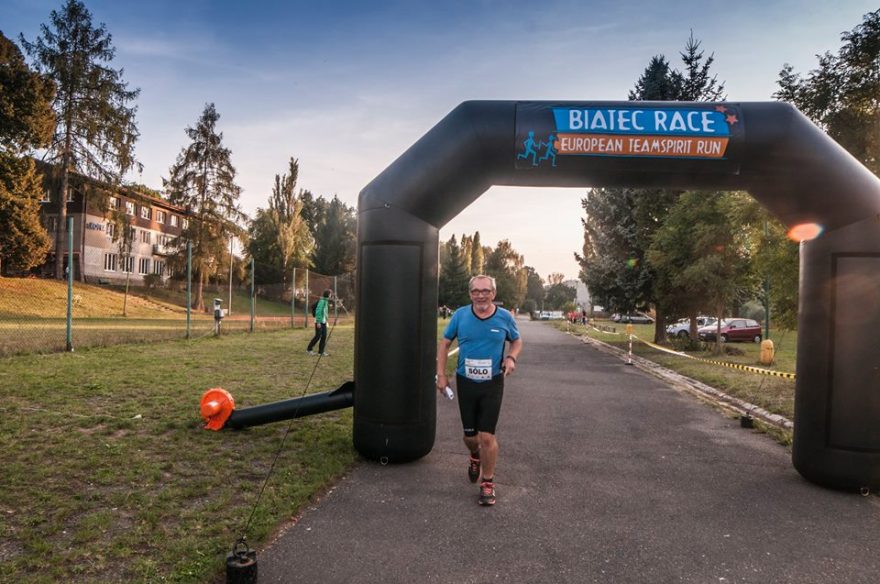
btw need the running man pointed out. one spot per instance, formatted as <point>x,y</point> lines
<point>482,329</point>
<point>551,149</point>
<point>529,149</point>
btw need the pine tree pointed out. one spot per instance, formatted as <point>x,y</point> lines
<point>453,285</point>
<point>202,180</point>
<point>657,80</point>
<point>96,131</point>
<point>26,123</point>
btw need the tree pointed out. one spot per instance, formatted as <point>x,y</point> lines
<point>613,264</point>
<point>279,237</point>
<point>26,117</point>
<point>555,278</point>
<point>478,258</point>
<point>506,265</point>
<point>453,286</point>
<point>842,95</point>
<point>202,180</point>
<point>534,287</point>
<point>776,263</point>
<point>712,265</point>
<point>96,131</point>
<point>26,123</point>
<point>336,239</point>
<point>559,296</point>
<point>467,244</point>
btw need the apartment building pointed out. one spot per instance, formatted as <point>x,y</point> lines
<point>96,256</point>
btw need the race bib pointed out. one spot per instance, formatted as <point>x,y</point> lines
<point>478,369</point>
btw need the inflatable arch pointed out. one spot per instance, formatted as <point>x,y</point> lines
<point>768,149</point>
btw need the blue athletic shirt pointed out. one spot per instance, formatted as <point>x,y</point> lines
<point>480,341</point>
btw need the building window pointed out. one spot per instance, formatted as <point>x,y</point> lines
<point>110,262</point>
<point>52,223</point>
<point>114,202</point>
<point>144,266</point>
<point>127,264</point>
<point>145,236</point>
<point>46,197</point>
<point>160,216</point>
<point>158,267</point>
<point>173,220</point>
<point>111,230</point>
<point>129,208</point>
<point>146,212</point>
<point>185,224</point>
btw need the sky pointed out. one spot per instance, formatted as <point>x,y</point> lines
<point>346,87</point>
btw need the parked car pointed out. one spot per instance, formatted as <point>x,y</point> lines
<point>551,315</point>
<point>682,328</point>
<point>635,318</point>
<point>733,329</point>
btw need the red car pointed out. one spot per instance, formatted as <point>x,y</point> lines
<point>733,329</point>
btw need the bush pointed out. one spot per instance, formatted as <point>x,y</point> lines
<point>152,281</point>
<point>685,344</point>
<point>752,309</point>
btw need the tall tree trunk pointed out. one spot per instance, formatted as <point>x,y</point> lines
<point>200,293</point>
<point>659,325</point>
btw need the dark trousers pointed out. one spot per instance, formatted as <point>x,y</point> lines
<point>320,334</point>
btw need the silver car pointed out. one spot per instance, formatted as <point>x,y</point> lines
<point>682,328</point>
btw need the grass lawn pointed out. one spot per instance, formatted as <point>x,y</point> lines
<point>33,315</point>
<point>774,394</point>
<point>108,475</point>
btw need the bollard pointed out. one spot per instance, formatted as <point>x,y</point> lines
<point>768,352</point>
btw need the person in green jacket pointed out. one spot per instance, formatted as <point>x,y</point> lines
<point>321,310</point>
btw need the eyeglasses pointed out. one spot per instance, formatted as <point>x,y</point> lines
<point>483,292</point>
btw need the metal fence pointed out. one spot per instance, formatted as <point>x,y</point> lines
<point>41,316</point>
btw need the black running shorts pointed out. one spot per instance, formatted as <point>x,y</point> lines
<point>479,403</point>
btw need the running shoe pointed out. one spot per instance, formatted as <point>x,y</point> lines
<point>487,493</point>
<point>473,469</point>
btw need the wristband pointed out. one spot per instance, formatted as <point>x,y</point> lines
<point>511,357</point>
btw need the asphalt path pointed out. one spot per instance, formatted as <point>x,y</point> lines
<point>606,474</point>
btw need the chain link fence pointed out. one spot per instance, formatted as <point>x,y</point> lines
<point>34,312</point>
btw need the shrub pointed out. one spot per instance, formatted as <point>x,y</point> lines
<point>152,281</point>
